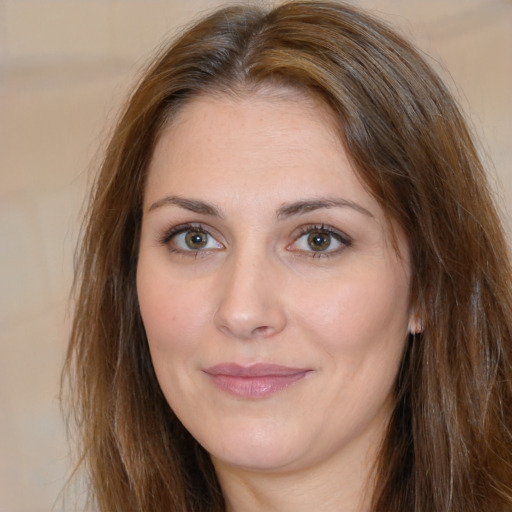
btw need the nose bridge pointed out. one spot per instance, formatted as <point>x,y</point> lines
<point>249,302</point>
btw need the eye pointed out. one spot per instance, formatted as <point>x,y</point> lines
<point>190,239</point>
<point>319,240</point>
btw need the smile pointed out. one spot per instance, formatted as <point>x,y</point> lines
<point>256,381</point>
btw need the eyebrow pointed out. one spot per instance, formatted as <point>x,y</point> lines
<point>192,205</point>
<point>284,212</point>
<point>310,205</point>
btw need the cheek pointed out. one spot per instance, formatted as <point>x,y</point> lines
<point>172,313</point>
<point>357,311</point>
<point>173,328</point>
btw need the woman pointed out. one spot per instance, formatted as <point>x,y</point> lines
<point>294,290</point>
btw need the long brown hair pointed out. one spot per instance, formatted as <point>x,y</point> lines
<point>449,443</point>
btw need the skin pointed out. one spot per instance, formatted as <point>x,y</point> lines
<point>260,292</point>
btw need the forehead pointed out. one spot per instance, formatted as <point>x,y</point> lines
<point>255,113</point>
<point>222,136</point>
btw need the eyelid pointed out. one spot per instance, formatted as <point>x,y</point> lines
<point>168,234</point>
<point>338,235</point>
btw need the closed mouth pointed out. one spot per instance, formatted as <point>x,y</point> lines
<point>255,381</point>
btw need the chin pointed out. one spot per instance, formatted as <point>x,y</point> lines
<point>254,450</point>
<point>256,459</point>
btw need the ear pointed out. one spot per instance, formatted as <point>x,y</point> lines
<point>415,323</point>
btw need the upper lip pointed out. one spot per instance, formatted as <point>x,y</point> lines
<point>253,370</point>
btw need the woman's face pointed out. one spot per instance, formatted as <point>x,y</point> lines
<point>276,308</point>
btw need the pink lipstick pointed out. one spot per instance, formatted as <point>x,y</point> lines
<point>255,381</point>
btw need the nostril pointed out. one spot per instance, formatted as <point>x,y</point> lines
<point>261,331</point>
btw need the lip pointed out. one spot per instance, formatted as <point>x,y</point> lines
<point>254,381</point>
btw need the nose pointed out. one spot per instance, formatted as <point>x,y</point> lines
<point>250,305</point>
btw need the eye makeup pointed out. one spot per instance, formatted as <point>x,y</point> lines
<point>311,240</point>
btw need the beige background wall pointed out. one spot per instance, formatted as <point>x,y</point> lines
<point>65,67</point>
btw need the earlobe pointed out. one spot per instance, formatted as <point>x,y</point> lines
<point>415,324</point>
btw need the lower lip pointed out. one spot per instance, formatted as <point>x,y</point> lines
<point>260,386</point>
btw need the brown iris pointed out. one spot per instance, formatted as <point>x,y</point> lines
<point>196,240</point>
<point>319,241</point>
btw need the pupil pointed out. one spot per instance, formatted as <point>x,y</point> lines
<point>319,241</point>
<point>195,240</point>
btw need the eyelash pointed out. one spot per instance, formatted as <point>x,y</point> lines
<point>169,234</point>
<point>340,237</point>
